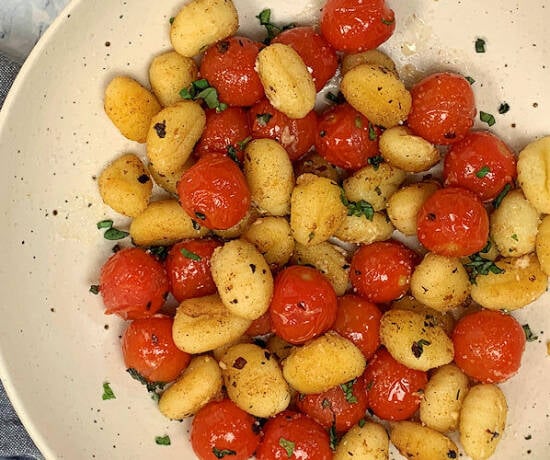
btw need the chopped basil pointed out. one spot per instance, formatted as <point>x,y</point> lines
<point>480,45</point>
<point>333,437</point>
<point>115,234</point>
<point>347,388</point>
<point>372,133</point>
<point>529,336</point>
<point>201,89</point>
<point>172,20</point>
<point>272,29</point>
<point>190,255</point>
<point>107,223</point>
<point>470,80</point>
<point>375,161</point>
<point>152,387</point>
<point>107,392</point>
<point>482,172</point>
<point>242,144</point>
<point>501,195</point>
<point>358,122</point>
<point>94,289</point>
<point>288,446</point>
<point>335,98</point>
<point>487,118</point>
<point>359,208</point>
<point>200,215</point>
<point>163,440</point>
<point>388,22</point>
<point>160,128</point>
<point>361,422</point>
<point>503,108</point>
<point>160,252</point>
<point>514,237</point>
<point>417,347</point>
<point>263,118</point>
<point>325,403</point>
<point>232,153</point>
<point>479,265</point>
<point>222,453</point>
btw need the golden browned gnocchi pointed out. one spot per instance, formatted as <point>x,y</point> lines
<point>369,441</point>
<point>534,173</point>
<point>169,180</point>
<point>417,442</point>
<point>542,245</point>
<point>375,56</point>
<point>273,238</point>
<point>364,230</point>
<point>431,316</point>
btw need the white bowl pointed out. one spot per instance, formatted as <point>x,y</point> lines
<point>57,347</point>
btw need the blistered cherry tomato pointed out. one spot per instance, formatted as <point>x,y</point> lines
<point>148,348</point>
<point>188,266</point>
<point>453,222</point>
<point>342,406</point>
<point>294,436</point>
<point>214,192</point>
<point>443,108</point>
<point>228,66</point>
<point>381,271</point>
<point>394,390</point>
<point>345,137</point>
<point>353,26</point>
<point>488,345</point>
<point>303,304</point>
<point>223,430</point>
<point>358,320</point>
<point>133,284</point>
<point>296,135</point>
<point>482,163</point>
<point>225,131</point>
<point>318,55</point>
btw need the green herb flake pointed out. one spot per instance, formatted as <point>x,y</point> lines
<point>171,20</point>
<point>360,208</point>
<point>271,29</point>
<point>487,118</point>
<point>201,89</point>
<point>263,118</point>
<point>347,388</point>
<point>221,453</point>
<point>335,98</point>
<point>152,387</point>
<point>333,437</point>
<point>388,22</point>
<point>242,144</point>
<point>358,122</point>
<point>361,422</point>
<point>288,446</point>
<point>107,392</point>
<point>470,80</point>
<point>503,108</point>
<point>159,252</point>
<point>114,234</point>
<point>375,161</point>
<point>163,440</point>
<point>325,403</point>
<point>479,265</point>
<point>480,45</point>
<point>501,195</point>
<point>94,289</point>
<point>529,335</point>
<point>372,133</point>
<point>107,223</point>
<point>482,172</point>
<point>190,255</point>
<point>514,237</point>
<point>417,347</point>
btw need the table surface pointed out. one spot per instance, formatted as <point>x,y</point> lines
<point>22,22</point>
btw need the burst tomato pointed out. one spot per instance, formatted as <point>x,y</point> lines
<point>292,435</point>
<point>228,66</point>
<point>188,267</point>
<point>394,390</point>
<point>381,271</point>
<point>318,55</point>
<point>133,284</point>
<point>443,108</point>
<point>222,429</point>
<point>214,192</point>
<point>480,162</point>
<point>345,137</point>
<point>453,222</point>
<point>148,348</point>
<point>488,345</point>
<point>353,26</point>
<point>303,305</point>
<point>296,135</point>
<point>358,320</point>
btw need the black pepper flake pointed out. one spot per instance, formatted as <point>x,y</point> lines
<point>431,216</point>
<point>267,355</point>
<point>200,215</point>
<point>160,128</point>
<point>252,268</point>
<point>449,135</point>
<point>239,363</point>
<point>143,179</point>
<point>107,43</point>
<point>451,454</point>
<point>148,306</point>
<point>223,46</point>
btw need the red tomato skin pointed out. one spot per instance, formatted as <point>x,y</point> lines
<point>309,438</point>
<point>453,222</point>
<point>394,390</point>
<point>303,305</point>
<point>214,192</point>
<point>223,130</point>
<point>296,135</point>
<point>358,320</point>
<point>229,67</point>
<point>318,55</point>
<point>133,284</point>
<point>260,326</point>
<point>381,272</point>
<point>344,137</point>
<point>443,108</point>
<point>222,425</point>
<point>488,346</point>
<point>332,408</point>
<point>352,26</point>
<point>465,162</point>
<point>191,278</point>
<point>148,347</point>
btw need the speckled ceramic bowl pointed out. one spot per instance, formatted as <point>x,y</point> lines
<point>57,348</point>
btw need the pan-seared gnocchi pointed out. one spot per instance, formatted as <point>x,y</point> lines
<point>417,442</point>
<point>369,441</point>
<point>272,236</point>
<point>542,244</point>
<point>533,173</point>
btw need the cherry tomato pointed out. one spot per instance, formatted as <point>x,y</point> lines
<point>148,348</point>
<point>225,131</point>
<point>480,162</point>
<point>345,137</point>
<point>453,222</point>
<point>358,320</point>
<point>214,192</point>
<point>260,326</point>
<point>188,267</point>
<point>223,430</point>
<point>443,108</point>
<point>292,435</point>
<point>381,271</point>
<point>318,55</point>
<point>296,135</point>
<point>229,67</point>
<point>342,406</point>
<point>394,390</point>
<point>303,305</point>
<point>353,26</point>
<point>133,284</point>
<point>488,345</point>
